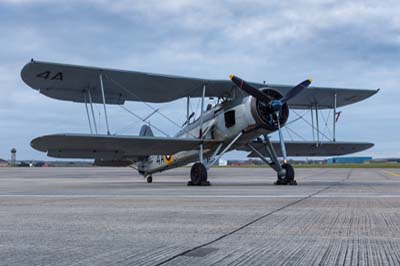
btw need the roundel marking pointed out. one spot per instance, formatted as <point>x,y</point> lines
<point>168,159</point>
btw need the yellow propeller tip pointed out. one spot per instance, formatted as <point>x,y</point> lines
<point>230,76</point>
<point>310,80</point>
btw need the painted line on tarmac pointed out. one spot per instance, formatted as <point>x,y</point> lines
<point>153,196</point>
<point>358,196</point>
<point>391,173</point>
<point>204,196</point>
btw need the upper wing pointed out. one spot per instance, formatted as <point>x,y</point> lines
<point>112,148</point>
<point>308,148</point>
<point>72,83</point>
<point>324,97</point>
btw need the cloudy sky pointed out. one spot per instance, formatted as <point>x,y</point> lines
<point>352,44</point>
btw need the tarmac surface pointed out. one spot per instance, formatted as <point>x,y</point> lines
<point>111,216</point>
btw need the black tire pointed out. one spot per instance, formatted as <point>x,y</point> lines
<point>198,174</point>
<point>149,179</point>
<point>288,178</point>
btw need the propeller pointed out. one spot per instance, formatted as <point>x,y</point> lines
<point>274,104</point>
<point>243,85</point>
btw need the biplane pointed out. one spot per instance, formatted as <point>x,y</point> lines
<point>243,118</point>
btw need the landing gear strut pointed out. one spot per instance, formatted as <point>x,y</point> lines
<point>198,175</point>
<point>285,171</point>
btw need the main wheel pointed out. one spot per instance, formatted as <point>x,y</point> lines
<point>288,178</point>
<point>149,179</point>
<point>198,175</point>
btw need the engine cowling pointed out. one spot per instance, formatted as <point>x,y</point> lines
<point>264,115</point>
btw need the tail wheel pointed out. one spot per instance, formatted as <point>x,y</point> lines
<point>288,178</point>
<point>198,175</point>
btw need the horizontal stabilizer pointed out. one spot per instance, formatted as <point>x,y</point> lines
<point>106,148</point>
<point>297,148</point>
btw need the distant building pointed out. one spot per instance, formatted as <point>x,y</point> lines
<point>3,163</point>
<point>222,162</point>
<point>334,160</point>
<point>386,160</point>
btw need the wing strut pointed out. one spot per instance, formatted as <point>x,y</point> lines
<point>91,107</point>
<point>87,113</point>
<point>187,115</point>
<point>104,102</point>
<point>312,123</point>
<point>317,121</point>
<point>201,123</point>
<point>333,117</point>
<point>224,150</point>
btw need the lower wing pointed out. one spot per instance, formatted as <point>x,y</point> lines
<point>113,150</point>
<point>309,148</point>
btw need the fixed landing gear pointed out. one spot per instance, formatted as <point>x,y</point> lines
<point>286,176</point>
<point>285,171</point>
<point>149,179</point>
<point>198,175</point>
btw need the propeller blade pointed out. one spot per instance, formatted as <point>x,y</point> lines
<point>243,85</point>
<point>296,90</point>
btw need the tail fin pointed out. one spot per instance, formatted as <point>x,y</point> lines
<point>146,131</point>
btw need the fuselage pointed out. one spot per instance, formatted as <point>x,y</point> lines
<point>222,122</point>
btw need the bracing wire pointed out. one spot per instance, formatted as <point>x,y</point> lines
<point>126,128</point>
<point>146,104</point>
<point>288,132</point>
<point>288,129</point>
<point>326,123</point>
<point>297,134</point>
<point>296,119</point>
<point>308,123</point>
<point>140,118</point>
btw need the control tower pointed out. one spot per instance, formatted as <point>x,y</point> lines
<point>13,157</point>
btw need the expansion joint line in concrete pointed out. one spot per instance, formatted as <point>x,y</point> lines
<point>244,226</point>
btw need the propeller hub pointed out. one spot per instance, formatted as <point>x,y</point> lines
<point>266,114</point>
<point>276,105</point>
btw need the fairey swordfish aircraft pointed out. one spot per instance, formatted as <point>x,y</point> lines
<point>243,119</point>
